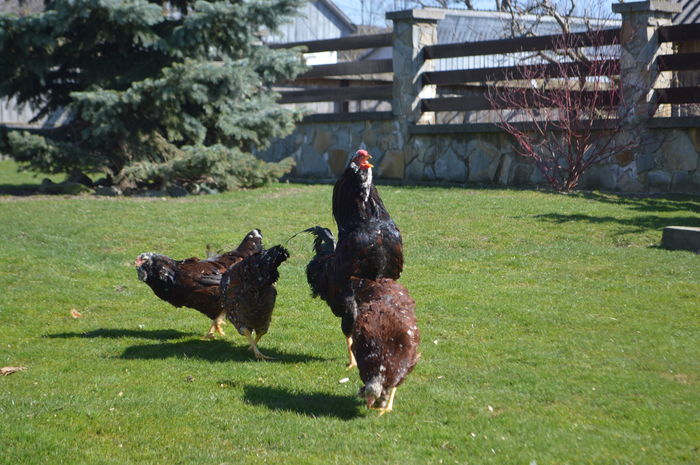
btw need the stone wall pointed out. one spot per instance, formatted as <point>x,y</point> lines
<point>322,149</point>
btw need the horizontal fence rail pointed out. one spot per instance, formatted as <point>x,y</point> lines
<point>344,43</point>
<point>679,33</point>
<point>549,70</point>
<point>678,95</point>
<point>534,99</point>
<point>679,62</point>
<point>338,94</point>
<point>349,68</point>
<point>522,44</point>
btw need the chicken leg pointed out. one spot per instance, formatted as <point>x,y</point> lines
<point>390,404</point>
<point>352,363</point>
<point>210,333</point>
<point>253,344</point>
<point>219,322</point>
<point>216,326</point>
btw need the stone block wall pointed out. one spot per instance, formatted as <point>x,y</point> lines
<point>322,150</point>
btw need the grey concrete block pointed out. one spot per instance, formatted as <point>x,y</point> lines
<point>681,238</point>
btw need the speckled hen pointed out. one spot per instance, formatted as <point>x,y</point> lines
<point>385,339</point>
<point>248,294</point>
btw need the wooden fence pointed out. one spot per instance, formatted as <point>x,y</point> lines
<point>355,80</point>
<point>340,82</point>
<point>679,62</point>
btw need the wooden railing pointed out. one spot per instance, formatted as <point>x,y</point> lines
<point>454,79</point>
<point>340,82</point>
<point>356,80</point>
<point>679,62</point>
<point>343,43</point>
<point>679,33</point>
<point>520,44</point>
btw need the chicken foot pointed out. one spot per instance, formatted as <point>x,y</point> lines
<point>216,326</point>
<point>253,344</point>
<point>389,405</point>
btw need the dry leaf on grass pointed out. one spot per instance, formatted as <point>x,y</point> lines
<point>75,314</point>
<point>4,371</point>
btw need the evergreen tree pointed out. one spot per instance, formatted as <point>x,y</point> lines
<point>156,92</point>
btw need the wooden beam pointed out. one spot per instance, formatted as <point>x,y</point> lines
<point>455,104</point>
<point>679,32</point>
<point>343,43</point>
<point>338,94</point>
<point>332,82</point>
<point>351,68</point>
<point>678,95</point>
<point>537,99</point>
<point>341,117</point>
<point>518,44</point>
<point>679,62</point>
<point>549,70</point>
<point>435,129</point>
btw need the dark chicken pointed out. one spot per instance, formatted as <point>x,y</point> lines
<point>248,294</point>
<point>369,243</point>
<point>192,282</point>
<point>368,239</point>
<point>329,284</point>
<point>385,339</point>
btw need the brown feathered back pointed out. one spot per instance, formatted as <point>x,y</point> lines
<point>192,282</point>
<point>385,335</point>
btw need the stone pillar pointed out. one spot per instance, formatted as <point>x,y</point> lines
<point>639,73</point>
<point>413,30</point>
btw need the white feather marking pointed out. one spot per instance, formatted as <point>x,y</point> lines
<point>366,184</point>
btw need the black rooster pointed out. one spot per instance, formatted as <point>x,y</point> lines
<point>192,282</point>
<point>367,236</point>
<point>369,243</point>
<point>248,294</point>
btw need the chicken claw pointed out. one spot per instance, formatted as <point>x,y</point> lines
<point>210,333</point>
<point>253,345</point>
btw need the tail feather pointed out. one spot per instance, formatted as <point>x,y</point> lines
<point>324,242</point>
<point>265,264</point>
<point>276,255</point>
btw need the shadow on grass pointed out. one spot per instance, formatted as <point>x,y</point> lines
<point>313,404</point>
<point>648,202</point>
<point>636,224</point>
<point>19,189</point>
<point>210,350</point>
<point>158,334</point>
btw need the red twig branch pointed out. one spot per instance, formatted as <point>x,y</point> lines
<point>562,112</point>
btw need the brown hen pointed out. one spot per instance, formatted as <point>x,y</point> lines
<point>192,282</point>
<point>385,339</point>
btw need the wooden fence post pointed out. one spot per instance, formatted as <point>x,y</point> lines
<point>639,71</point>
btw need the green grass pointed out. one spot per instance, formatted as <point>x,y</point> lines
<point>554,330</point>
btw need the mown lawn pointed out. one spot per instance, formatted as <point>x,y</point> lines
<point>555,331</point>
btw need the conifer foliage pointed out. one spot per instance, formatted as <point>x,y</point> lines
<point>155,92</point>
